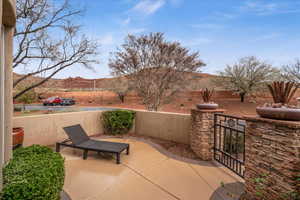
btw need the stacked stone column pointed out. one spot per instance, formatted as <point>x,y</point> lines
<point>202,132</point>
<point>272,159</point>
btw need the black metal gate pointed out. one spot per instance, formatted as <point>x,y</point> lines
<point>229,142</point>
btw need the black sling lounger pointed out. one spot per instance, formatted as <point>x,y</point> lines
<point>80,140</point>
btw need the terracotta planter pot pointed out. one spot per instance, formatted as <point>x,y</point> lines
<point>207,106</point>
<point>291,114</point>
<point>18,137</point>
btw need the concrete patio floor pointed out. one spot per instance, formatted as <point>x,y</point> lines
<point>146,174</point>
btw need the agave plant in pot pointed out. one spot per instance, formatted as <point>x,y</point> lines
<point>206,95</point>
<point>281,109</point>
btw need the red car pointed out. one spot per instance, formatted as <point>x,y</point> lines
<point>52,101</point>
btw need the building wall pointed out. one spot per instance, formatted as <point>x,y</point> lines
<point>7,19</point>
<point>168,126</point>
<point>47,129</point>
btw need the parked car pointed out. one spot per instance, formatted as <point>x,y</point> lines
<point>52,101</point>
<point>67,102</point>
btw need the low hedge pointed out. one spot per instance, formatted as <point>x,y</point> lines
<point>35,172</point>
<point>117,121</point>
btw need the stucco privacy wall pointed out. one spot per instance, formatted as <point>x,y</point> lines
<point>47,129</point>
<point>169,126</point>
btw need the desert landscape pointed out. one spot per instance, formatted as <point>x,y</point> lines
<point>99,93</point>
<point>184,100</point>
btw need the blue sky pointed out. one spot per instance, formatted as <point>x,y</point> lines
<point>221,30</point>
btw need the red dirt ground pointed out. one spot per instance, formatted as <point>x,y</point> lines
<point>232,106</point>
<point>182,103</point>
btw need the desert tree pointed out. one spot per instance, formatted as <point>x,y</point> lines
<point>121,86</point>
<point>48,41</point>
<point>291,72</point>
<point>26,98</point>
<point>155,67</point>
<point>247,76</point>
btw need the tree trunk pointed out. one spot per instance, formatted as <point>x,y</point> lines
<point>242,96</point>
<point>121,97</point>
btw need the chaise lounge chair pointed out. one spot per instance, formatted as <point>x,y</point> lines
<point>80,140</point>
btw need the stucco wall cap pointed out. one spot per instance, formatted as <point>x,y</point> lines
<point>289,124</point>
<point>209,111</point>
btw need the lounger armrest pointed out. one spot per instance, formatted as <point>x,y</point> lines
<point>65,141</point>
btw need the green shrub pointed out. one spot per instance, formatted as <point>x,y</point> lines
<point>28,97</point>
<point>117,121</point>
<point>35,172</point>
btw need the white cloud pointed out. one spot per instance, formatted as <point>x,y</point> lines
<point>221,16</point>
<point>126,21</point>
<point>266,37</point>
<point>148,7</point>
<point>260,8</point>
<point>176,2</point>
<point>136,30</point>
<point>200,41</point>
<point>208,26</point>
<point>196,42</point>
<point>269,8</point>
<point>106,40</point>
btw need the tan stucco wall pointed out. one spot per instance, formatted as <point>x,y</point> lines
<point>8,107</point>
<point>168,126</point>
<point>8,19</point>
<point>8,14</point>
<point>47,129</point>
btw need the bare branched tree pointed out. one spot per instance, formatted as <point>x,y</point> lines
<point>47,41</point>
<point>291,72</point>
<point>121,86</point>
<point>155,66</point>
<point>247,76</point>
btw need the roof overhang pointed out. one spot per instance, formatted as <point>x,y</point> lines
<point>9,13</point>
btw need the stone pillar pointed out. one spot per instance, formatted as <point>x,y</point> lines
<point>202,132</point>
<point>272,159</point>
